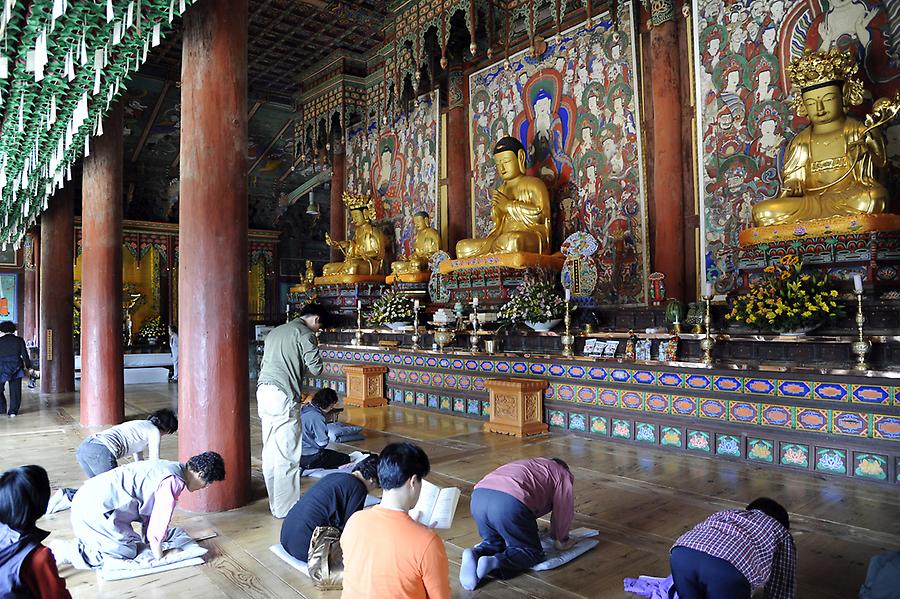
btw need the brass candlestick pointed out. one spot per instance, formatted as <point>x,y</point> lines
<point>415,335</point>
<point>358,336</point>
<point>473,337</point>
<point>861,346</point>
<point>708,342</point>
<point>568,339</point>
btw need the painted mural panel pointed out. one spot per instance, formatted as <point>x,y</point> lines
<point>398,163</point>
<point>575,109</point>
<point>9,296</point>
<point>745,120</point>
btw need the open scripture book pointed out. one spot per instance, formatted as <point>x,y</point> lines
<point>436,506</point>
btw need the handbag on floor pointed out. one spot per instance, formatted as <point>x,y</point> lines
<point>326,560</point>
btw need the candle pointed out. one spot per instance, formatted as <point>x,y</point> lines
<point>416,305</point>
<point>359,304</point>
<point>568,294</point>
<point>857,283</point>
<point>707,288</point>
<point>475,301</point>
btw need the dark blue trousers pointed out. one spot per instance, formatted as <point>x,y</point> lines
<point>508,529</point>
<point>698,575</point>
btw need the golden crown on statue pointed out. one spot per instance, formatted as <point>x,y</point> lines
<point>812,69</point>
<point>360,201</point>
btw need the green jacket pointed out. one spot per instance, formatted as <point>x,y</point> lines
<point>288,349</point>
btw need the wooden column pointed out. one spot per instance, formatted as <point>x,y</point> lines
<point>212,271</point>
<point>102,368</point>
<point>365,386</point>
<point>56,279</point>
<point>517,407</point>
<point>457,160</point>
<point>29,325</point>
<point>668,197</point>
<point>338,225</point>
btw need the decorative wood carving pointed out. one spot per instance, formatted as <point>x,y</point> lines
<point>365,386</point>
<point>516,407</point>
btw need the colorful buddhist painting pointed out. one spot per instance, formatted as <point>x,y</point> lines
<point>575,110</point>
<point>398,165</point>
<point>745,119</point>
<point>9,299</point>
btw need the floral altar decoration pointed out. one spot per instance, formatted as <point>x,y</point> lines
<point>535,301</point>
<point>391,307</point>
<point>786,300</point>
<point>152,330</point>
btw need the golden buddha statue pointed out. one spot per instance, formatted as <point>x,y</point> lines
<point>520,209</point>
<point>831,168</point>
<point>364,254</point>
<point>309,279</point>
<point>425,244</point>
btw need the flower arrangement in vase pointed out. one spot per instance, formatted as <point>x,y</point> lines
<point>152,330</point>
<point>536,303</point>
<point>786,300</point>
<point>392,309</point>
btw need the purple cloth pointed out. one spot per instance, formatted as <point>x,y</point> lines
<point>650,586</point>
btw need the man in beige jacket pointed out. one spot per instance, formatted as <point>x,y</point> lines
<point>289,349</point>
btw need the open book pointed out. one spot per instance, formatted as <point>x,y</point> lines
<point>436,506</point>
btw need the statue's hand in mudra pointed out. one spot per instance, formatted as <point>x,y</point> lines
<point>499,200</point>
<point>341,245</point>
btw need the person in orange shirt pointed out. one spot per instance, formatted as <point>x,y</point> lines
<point>387,553</point>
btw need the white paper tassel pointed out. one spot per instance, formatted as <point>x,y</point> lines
<point>129,15</point>
<point>83,58</point>
<point>52,118</point>
<point>21,113</point>
<point>4,66</point>
<point>117,32</point>
<point>171,10</point>
<point>29,61</point>
<point>110,14</point>
<point>69,67</point>
<point>87,146</point>
<point>155,41</point>
<point>181,7</point>
<point>146,51</point>
<point>99,126</point>
<point>59,7</point>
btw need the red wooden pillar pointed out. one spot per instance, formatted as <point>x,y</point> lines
<point>57,346</point>
<point>28,326</point>
<point>457,160</point>
<point>102,374</point>
<point>338,224</point>
<point>668,197</point>
<point>212,272</point>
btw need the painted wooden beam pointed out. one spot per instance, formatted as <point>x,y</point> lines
<point>145,134</point>
<point>271,145</point>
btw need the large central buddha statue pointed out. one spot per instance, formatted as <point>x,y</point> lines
<point>520,209</point>
<point>364,254</point>
<point>832,167</point>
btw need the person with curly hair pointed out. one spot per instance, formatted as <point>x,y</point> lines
<point>145,492</point>
<point>14,363</point>
<point>99,452</point>
<point>27,568</point>
<point>330,502</point>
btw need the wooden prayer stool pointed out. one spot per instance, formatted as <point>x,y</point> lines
<point>365,386</point>
<point>517,407</point>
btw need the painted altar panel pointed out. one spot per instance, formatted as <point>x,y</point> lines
<point>576,111</point>
<point>398,164</point>
<point>9,297</point>
<point>745,120</point>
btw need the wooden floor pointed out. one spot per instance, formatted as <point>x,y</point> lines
<point>639,499</point>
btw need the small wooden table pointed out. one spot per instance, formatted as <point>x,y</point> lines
<point>517,407</point>
<point>365,386</point>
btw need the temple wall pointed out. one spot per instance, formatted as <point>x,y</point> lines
<point>744,116</point>
<point>398,163</point>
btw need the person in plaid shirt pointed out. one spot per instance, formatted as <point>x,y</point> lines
<point>733,553</point>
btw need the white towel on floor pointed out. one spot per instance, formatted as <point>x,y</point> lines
<point>586,540</point>
<point>289,559</point>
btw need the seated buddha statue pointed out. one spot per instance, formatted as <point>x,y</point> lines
<point>426,242</point>
<point>364,253</point>
<point>520,209</point>
<point>832,167</point>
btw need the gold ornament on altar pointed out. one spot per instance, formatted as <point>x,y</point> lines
<point>520,209</point>
<point>426,243</point>
<point>832,168</point>
<point>364,253</point>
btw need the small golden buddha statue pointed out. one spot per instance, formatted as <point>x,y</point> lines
<point>831,168</point>
<point>309,278</point>
<point>364,254</point>
<point>425,244</point>
<point>520,209</point>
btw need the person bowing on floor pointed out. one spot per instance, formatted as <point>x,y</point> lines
<point>505,506</point>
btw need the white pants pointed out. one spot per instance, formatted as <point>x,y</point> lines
<point>281,448</point>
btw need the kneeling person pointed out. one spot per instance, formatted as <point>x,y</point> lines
<point>104,509</point>
<point>387,553</point>
<point>735,552</point>
<point>314,450</point>
<point>505,505</point>
<point>330,502</point>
